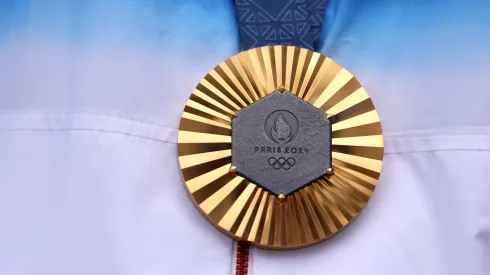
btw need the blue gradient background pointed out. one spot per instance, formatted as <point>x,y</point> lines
<point>408,54</point>
<point>187,26</point>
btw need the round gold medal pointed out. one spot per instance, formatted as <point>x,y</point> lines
<point>280,146</point>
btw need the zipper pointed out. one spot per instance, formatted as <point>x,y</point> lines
<point>241,258</point>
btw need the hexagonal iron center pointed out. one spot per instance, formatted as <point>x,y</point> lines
<point>282,143</point>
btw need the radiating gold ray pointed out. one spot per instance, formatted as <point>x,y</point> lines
<point>341,199</point>
<point>361,176</point>
<point>203,193</point>
<point>246,76</point>
<point>361,151</point>
<point>350,87</point>
<point>312,214</point>
<point>218,93</point>
<point>311,66</point>
<point>205,179</point>
<point>373,141</point>
<point>268,70</point>
<point>192,137</point>
<point>205,115</point>
<point>205,120</point>
<point>205,109</point>
<point>289,67</point>
<point>371,164</point>
<point>278,59</point>
<point>337,83</point>
<point>278,213</point>
<point>230,217</point>
<point>224,205</point>
<point>227,87</point>
<point>196,148</point>
<point>268,220</point>
<point>208,205</point>
<point>261,60</point>
<point>191,160</point>
<point>371,129</point>
<point>333,203</point>
<point>355,197</point>
<point>212,101</point>
<point>256,71</point>
<point>302,218</point>
<point>202,89</point>
<point>284,224</point>
<point>235,81</point>
<point>337,163</point>
<point>255,226</point>
<point>348,183</point>
<point>293,233</point>
<point>245,221</point>
<point>353,99</point>
<point>324,216</point>
<point>327,72</point>
<point>198,127</point>
<point>243,209</point>
<point>358,109</point>
<point>207,104</point>
<point>299,70</point>
<point>326,206</point>
<point>366,118</point>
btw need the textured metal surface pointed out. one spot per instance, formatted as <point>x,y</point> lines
<point>244,210</point>
<point>281,143</point>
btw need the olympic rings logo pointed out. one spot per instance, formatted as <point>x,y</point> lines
<point>281,162</point>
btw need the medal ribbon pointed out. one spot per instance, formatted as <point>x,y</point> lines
<point>280,22</point>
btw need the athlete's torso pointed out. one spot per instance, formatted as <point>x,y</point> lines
<point>91,95</point>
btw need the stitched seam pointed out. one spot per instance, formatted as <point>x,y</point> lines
<point>436,150</point>
<point>102,123</point>
<point>27,115</point>
<point>88,123</point>
<point>476,130</point>
<point>91,130</point>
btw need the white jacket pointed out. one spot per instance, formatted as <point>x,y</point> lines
<point>91,94</point>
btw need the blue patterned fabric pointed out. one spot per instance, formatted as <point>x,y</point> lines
<point>280,22</point>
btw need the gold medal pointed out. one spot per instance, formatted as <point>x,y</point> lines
<point>280,146</point>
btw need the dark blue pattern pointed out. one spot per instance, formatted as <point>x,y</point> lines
<point>280,22</point>
<point>316,10</point>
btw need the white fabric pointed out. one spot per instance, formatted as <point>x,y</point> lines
<point>428,215</point>
<point>85,194</point>
<point>90,100</point>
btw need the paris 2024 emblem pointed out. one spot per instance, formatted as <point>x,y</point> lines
<point>281,143</point>
<point>281,126</point>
